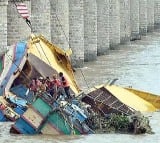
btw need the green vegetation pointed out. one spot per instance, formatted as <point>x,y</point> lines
<point>116,123</point>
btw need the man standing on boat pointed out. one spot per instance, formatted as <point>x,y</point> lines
<point>65,84</point>
<point>56,83</point>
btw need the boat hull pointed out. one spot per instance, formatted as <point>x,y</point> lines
<point>42,118</point>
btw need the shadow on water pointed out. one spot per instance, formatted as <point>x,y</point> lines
<point>135,64</point>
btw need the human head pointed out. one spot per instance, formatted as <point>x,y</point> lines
<point>47,78</point>
<point>34,79</point>
<point>54,76</point>
<point>60,74</point>
<point>41,78</point>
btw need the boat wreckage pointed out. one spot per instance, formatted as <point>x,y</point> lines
<point>102,109</point>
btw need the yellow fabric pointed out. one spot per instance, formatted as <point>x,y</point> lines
<point>130,99</point>
<point>54,57</point>
<point>151,98</point>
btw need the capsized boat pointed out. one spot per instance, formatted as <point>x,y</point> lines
<point>39,57</point>
<point>114,96</point>
<point>13,62</point>
<point>149,97</point>
<point>57,118</point>
<point>26,60</point>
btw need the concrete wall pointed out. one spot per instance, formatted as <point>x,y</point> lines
<point>114,21</point>
<point>3,25</point>
<point>90,30</point>
<point>150,15</point>
<point>60,23</point>
<point>157,13</point>
<point>125,31</point>
<point>102,27</point>
<point>76,32</point>
<point>41,23</point>
<point>134,18</point>
<point>143,23</point>
<point>17,28</point>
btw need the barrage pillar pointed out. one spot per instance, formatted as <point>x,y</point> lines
<point>40,18</point>
<point>114,21</point>
<point>143,17</point>
<point>3,25</point>
<point>156,13</point>
<point>134,19</point>
<point>103,27</point>
<point>150,15</point>
<point>76,32</point>
<point>125,31</point>
<point>90,30</point>
<point>60,23</point>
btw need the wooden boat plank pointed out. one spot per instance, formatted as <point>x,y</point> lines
<point>108,101</point>
<point>42,107</point>
<point>12,72</point>
<point>49,130</point>
<point>23,127</point>
<point>33,118</point>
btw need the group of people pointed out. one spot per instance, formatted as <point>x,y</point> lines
<point>55,86</point>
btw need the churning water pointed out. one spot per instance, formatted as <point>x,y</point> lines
<point>135,64</point>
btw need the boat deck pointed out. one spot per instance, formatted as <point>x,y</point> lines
<point>106,102</point>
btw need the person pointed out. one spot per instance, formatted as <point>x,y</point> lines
<point>65,85</point>
<point>57,86</point>
<point>33,86</point>
<point>42,86</point>
<point>49,85</point>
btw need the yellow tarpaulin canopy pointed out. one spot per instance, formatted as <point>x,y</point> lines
<point>54,57</point>
<point>131,99</point>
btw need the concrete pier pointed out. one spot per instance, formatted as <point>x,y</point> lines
<point>60,23</point>
<point>102,27</point>
<point>114,22</point>
<point>3,25</point>
<point>143,23</point>
<point>41,23</point>
<point>134,19</point>
<point>156,13</point>
<point>90,30</point>
<point>125,32</point>
<point>76,32</point>
<point>150,15</point>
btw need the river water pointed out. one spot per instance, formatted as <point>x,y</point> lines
<point>135,64</point>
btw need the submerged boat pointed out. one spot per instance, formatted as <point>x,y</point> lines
<point>59,117</point>
<point>20,65</point>
<point>35,114</point>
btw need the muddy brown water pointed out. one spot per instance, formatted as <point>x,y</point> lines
<point>135,64</point>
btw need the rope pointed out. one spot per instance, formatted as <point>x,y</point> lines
<point>85,79</point>
<point>62,29</point>
<point>45,54</point>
